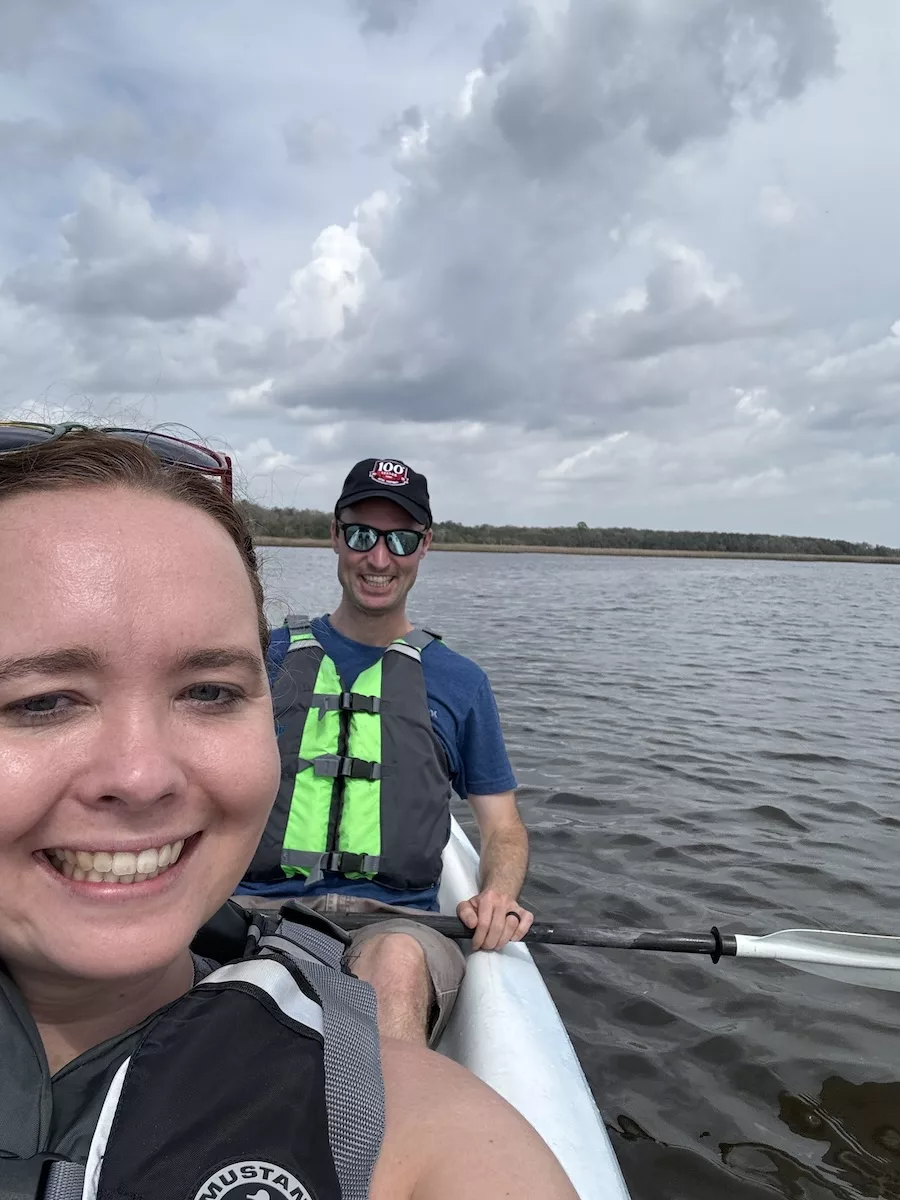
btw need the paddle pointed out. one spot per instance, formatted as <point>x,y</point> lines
<point>869,960</point>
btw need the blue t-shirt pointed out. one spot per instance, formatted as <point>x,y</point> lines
<point>464,717</point>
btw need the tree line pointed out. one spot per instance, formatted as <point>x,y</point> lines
<point>310,523</point>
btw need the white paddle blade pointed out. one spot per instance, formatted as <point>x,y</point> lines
<point>886,979</point>
<point>863,959</point>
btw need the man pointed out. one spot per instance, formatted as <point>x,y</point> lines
<point>377,721</point>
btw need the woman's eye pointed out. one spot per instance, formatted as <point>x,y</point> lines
<point>212,695</point>
<point>41,708</point>
<point>41,704</point>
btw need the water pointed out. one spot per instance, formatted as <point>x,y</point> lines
<point>700,742</point>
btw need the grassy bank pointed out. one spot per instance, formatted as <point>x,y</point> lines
<point>484,548</point>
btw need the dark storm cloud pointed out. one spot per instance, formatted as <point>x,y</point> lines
<point>449,391</point>
<point>672,72</point>
<point>384,16</point>
<point>121,260</point>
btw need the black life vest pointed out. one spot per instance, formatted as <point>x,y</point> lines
<point>365,783</point>
<point>263,1082</point>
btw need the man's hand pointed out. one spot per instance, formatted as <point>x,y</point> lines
<point>504,861</point>
<point>496,918</point>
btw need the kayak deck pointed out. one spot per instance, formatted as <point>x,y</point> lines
<point>506,1029</point>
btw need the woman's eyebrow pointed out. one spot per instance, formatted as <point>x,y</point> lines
<point>51,662</point>
<point>217,657</point>
<point>82,658</point>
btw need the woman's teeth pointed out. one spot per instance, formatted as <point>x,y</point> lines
<point>103,867</point>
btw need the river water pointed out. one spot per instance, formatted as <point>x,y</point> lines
<point>699,742</point>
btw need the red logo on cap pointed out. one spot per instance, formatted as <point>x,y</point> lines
<point>395,474</point>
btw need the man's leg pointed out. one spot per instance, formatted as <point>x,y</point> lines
<point>415,971</point>
<point>394,964</point>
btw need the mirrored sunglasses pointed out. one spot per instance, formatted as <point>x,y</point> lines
<point>363,538</point>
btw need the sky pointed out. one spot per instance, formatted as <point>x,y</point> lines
<point>631,262</point>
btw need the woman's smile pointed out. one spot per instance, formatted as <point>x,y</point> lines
<point>120,875</point>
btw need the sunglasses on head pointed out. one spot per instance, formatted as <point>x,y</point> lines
<point>362,538</point>
<point>173,451</point>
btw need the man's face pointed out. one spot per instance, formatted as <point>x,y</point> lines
<point>376,581</point>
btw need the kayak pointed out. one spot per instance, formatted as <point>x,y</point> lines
<point>506,1029</point>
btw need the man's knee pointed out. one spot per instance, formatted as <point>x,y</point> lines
<point>411,966</point>
<point>393,958</point>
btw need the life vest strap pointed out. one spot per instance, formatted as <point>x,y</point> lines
<point>297,623</point>
<point>334,765</point>
<point>341,861</point>
<point>418,639</point>
<point>345,702</point>
<point>42,1177</point>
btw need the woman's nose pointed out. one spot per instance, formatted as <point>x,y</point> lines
<point>134,760</point>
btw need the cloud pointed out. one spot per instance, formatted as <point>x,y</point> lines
<point>776,207</point>
<point>25,29</point>
<point>606,459</point>
<point>574,79</point>
<point>119,258</point>
<point>405,134</point>
<point>306,141</point>
<point>858,390</point>
<point>262,458</point>
<point>459,297</point>
<point>384,16</point>
<point>577,259</point>
<point>326,292</point>
<point>251,399</point>
<point>681,303</point>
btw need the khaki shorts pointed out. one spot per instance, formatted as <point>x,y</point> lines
<point>445,962</point>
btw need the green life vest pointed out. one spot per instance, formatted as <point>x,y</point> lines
<point>365,784</point>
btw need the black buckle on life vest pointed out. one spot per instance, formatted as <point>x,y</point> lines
<point>334,765</point>
<point>358,768</point>
<point>353,702</point>
<point>350,702</point>
<point>346,863</point>
<point>25,1178</point>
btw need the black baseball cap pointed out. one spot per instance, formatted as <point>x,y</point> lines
<point>387,479</point>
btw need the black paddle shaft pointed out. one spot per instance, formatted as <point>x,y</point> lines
<point>562,933</point>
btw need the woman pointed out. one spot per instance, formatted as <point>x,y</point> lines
<point>138,764</point>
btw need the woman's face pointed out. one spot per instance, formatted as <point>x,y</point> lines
<point>138,760</point>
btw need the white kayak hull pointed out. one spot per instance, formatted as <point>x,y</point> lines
<point>506,1029</point>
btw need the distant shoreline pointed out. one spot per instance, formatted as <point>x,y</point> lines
<point>592,551</point>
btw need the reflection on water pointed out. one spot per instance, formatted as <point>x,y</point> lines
<point>856,1126</point>
<point>860,1125</point>
<point>700,743</point>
